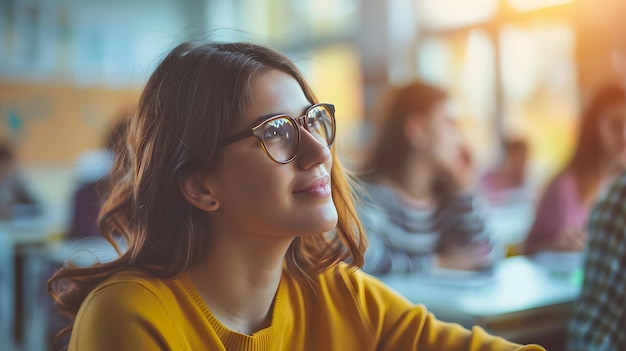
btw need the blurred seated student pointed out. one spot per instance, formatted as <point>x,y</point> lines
<point>90,194</point>
<point>599,318</point>
<point>507,182</point>
<point>417,210</point>
<point>239,220</point>
<point>16,200</point>
<point>562,212</point>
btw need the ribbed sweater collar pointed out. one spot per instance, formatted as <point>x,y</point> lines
<point>261,340</point>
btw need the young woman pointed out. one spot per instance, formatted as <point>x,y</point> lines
<point>417,211</point>
<point>562,212</point>
<point>237,217</point>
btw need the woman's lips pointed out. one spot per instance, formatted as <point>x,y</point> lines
<point>319,187</point>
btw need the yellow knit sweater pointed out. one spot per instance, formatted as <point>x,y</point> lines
<point>347,310</point>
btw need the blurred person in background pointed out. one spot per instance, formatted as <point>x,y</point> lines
<point>562,211</point>
<point>239,220</point>
<point>90,194</point>
<point>16,200</point>
<point>416,209</point>
<point>507,182</point>
<point>599,319</point>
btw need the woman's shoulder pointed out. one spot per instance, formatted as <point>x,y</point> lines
<point>565,179</point>
<point>128,308</point>
<point>346,279</point>
<point>132,289</point>
<point>130,278</point>
<point>129,295</point>
<point>354,291</point>
<point>561,188</point>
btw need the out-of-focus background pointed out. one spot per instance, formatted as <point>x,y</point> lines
<point>69,69</point>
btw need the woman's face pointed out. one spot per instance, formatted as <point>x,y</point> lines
<point>613,130</point>
<point>444,143</point>
<point>258,195</point>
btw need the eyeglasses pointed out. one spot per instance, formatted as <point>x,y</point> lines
<point>280,135</point>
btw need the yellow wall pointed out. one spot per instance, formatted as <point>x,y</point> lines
<point>51,124</point>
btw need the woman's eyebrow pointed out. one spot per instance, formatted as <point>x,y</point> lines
<point>267,116</point>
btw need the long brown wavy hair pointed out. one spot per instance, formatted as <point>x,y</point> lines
<point>391,148</point>
<point>589,152</point>
<point>184,113</point>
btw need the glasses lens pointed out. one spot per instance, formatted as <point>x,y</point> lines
<point>280,137</point>
<point>321,124</point>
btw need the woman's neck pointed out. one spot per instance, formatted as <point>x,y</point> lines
<point>414,180</point>
<point>239,277</point>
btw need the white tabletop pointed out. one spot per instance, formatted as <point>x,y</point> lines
<point>516,286</point>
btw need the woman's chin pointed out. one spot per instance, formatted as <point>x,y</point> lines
<point>323,222</point>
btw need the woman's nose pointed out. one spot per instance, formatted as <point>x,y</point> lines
<point>311,151</point>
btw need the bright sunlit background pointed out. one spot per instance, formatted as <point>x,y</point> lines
<point>515,68</point>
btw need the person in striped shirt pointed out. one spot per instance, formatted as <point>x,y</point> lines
<point>415,207</point>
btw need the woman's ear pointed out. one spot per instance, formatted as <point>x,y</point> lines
<point>198,193</point>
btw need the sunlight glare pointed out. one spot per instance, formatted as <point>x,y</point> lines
<point>529,5</point>
<point>456,13</point>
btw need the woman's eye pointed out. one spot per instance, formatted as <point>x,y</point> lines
<point>277,129</point>
<point>272,133</point>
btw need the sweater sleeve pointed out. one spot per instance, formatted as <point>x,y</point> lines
<point>124,316</point>
<point>400,325</point>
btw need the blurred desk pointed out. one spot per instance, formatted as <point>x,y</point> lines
<point>510,221</point>
<point>41,321</point>
<point>7,292</point>
<point>15,235</point>
<point>522,300</point>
